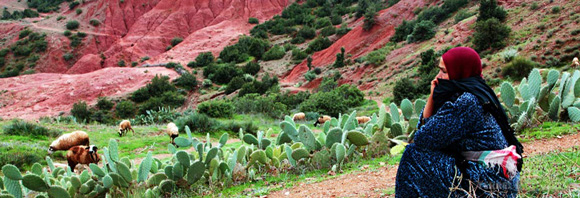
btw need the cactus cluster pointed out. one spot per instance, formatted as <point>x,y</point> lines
<point>557,99</point>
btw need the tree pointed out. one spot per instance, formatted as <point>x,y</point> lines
<point>309,62</point>
<point>72,25</point>
<point>339,62</point>
<point>404,88</point>
<point>125,109</point>
<point>488,9</point>
<point>81,111</point>
<point>424,30</point>
<point>369,21</point>
<point>204,59</point>
<point>490,34</point>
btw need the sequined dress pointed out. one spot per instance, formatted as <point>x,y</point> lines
<point>428,170</point>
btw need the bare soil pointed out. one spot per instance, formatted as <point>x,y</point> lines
<point>376,183</point>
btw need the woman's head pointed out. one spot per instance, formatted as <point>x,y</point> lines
<point>459,63</point>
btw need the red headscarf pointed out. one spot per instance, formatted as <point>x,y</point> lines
<point>462,62</point>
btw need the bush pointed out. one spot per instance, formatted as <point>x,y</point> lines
<point>216,108</point>
<point>297,40</point>
<point>235,84</point>
<point>223,73</point>
<point>233,54</point>
<point>253,46</point>
<point>375,57</point>
<point>28,13</point>
<point>259,87</point>
<point>298,54</point>
<point>171,65</point>
<point>255,103</point>
<point>68,56</point>
<point>233,126</point>
<point>23,128</point>
<point>292,100</point>
<point>21,155</point>
<point>73,5</point>
<point>309,76</point>
<point>424,30</point>
<point>67,33</point>
<point>175,41</point>
<point>81,111</point>
<point>490,34</point>
<point>462,14</point>
<point>306,33</point>
<point>403,30</point>
<point>318,44</point>
<point>104,104</point>
<point>353,97</point>
<point>24,33</point>
<point>166,99</point>
<point>555,9</point>
<point>79,11</point>
<point>72,25</point>
<point>145,58</point>
<point>158,85</point>
<point>404,88</point>
<point>95,22</point>
<point>186,81</point>
<point>369,20</point>
<point>196,122</point>
<point>326,103</point>
<point>121,63</point>
<point>275,53</point>
<point>342,30</point>
<point>322,22</point>
<point>203,59</point>
<point>251,68</point>
<point>327,31</point>
<point>519,68</point>
<point>103,117</point>
<point>488,9</point>
<point>253,20</point>
<point>206,83</point>
<point>534,6</point>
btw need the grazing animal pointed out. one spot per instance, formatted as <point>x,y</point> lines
<point>575,62</point>
<point>82,155</point>
<point>322,120</point>
<point>363,119</point>
<point>299,116</point>
<point>172,131</point>
<point>66,141</point>
<point>124,127</point>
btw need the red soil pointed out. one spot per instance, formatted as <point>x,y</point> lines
<point>37,95</point>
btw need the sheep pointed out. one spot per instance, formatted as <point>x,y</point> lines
<point>125,126</point>
<point>66,141</point>
<point>363,119</point>
<point>82,155</point>
<point>172,131</point>
<point>299,116</point>
<point>575,62</point>
<point>322,120</point>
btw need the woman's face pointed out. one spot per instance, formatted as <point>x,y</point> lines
<point>442,70</point>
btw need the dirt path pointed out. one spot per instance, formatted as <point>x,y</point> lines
<point>375,183</point>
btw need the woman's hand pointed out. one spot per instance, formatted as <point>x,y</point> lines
<point>434,84</point>
<point>428,111</point>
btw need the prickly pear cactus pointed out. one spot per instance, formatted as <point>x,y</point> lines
<point>34,182</point>
<point>334,135</point>
<point>553,76</point>
<point>300,154</point>
<point>419,105</point>
<point>357,138</point>
<point>57,191</point>
<point>251,139</point>
<point>407,108</point>
<point>508,95</point>
<point>307,138</point>
<point>394,113</point>
<point>554,112</point>
<point>11,172</point>
<point>396,130</point>
<point>574,114</point>
<point>145,167</point>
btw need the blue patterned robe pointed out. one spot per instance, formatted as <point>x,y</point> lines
<point>426,170</point>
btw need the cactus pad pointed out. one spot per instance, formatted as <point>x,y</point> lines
<point>357,138</point>
<point>34,182</point>
<point>307,137</point>
<point>300,153</point>
<point>107,181</point>
<point>407,108</point>
<point>57,192</point>
<point>11,172</point>
<point>334,135</point>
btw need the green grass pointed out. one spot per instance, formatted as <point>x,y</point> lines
<point>551,174</point>
<point>548,130</point>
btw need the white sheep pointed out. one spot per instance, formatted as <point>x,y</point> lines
<point>172,131</point>
<point>299,116</point>
<point>67,141</point>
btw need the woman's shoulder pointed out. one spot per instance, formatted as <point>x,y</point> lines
<point>464,101</point>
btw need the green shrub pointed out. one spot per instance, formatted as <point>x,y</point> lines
<point>318,44</point>
<point>28,13</point>
<point>81,34</point>
<point>375,57</point>
<point>233,54</point>
<point>23,128</point>
<point>186,81</point>
<point>259,87</point>
<point>73,5</point>
<point>327,31</point>
<point>158,85</point>
<point>339,61</point>
<point>251,68</point>
<point>203,59</point>
<point>488,9</point>
<point>171,65</point>
<point>275,53</point>
<point>75,40</point>
<point>81,111</point>
<point>307,32</point>
<point>253,20</point>
<point>79,11</point>
<point>255,103</point>
<point>104,104</point>
<point>490,34</point>
<point>222,73</point>
<point>369,20</point>
<point>298,54</point>
<point>72,25</point>
<point>175,41</point>
<point>134,63</point>
<point>326,103</point>
<point>67,33</point>
<point>342,30</point>
<point>125,109</point>
<point>403,30</point>
<point>234,127</point>
<point>196,122</point>
<point>404,88</point>
<point>68,56</point>
<point>556,9</point>
<point>424,30</point>
<point>297,40</point>
<point>166,99</point>
<point>21,155</point>
<point>103,117</point>
<point>309,76</point>
<point>145,58</point>
<point>335,19</point>
<point>253,46</point>
<point>235,84</point>
<point>463,14</point>
<point>353,97</point>
<point>322,22</point>
<point>94,22</point>
<point>207,83</point>
<point>216,108</point>
<point>121,63</point>
<point>4,52</point>
<point>534,6</point>
<point>292,100</point>
<point>24,33</point>
<point>519,68</point>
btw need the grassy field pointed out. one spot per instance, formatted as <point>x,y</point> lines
<point>553,174</point>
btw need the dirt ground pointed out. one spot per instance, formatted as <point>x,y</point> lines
<point>376,183</point>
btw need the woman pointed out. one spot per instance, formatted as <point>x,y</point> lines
<point>462,147</point>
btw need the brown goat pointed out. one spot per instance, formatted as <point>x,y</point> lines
<point>82,155</point>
